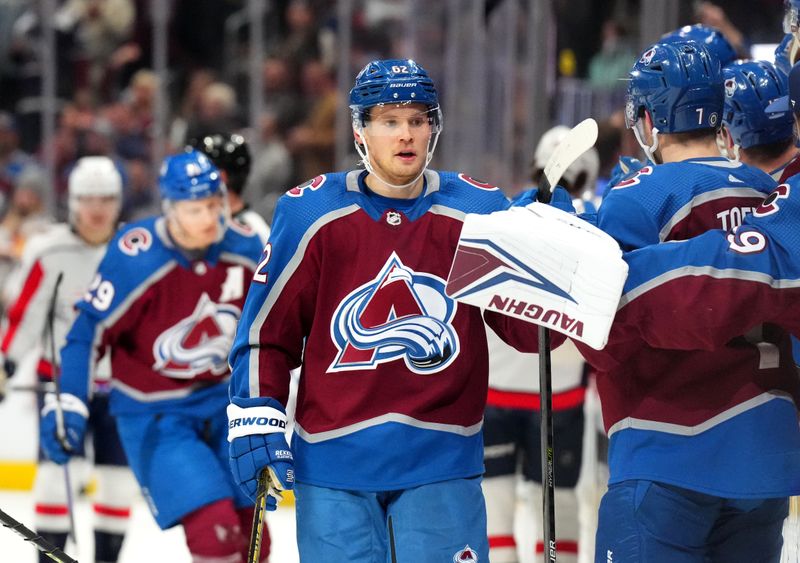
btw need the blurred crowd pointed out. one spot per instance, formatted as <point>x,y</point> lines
<point>106,89</point>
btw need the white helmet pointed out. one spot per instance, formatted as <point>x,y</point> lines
<point>93,176</point>
<point>588,163</point>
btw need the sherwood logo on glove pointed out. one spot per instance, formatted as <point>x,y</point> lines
<point>254,420</point>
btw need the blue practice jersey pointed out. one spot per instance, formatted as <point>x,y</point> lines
<point>169,321</point>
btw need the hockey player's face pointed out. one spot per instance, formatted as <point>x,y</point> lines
<point>196,224</point>
<point>96,217</point>
<point>397,137</point>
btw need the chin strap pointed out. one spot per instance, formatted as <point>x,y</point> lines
<point>732,152</point>
<point>649,151</point>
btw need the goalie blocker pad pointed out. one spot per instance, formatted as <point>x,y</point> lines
<point>542,265</point>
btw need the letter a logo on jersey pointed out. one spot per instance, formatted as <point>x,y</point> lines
<point>400,314</point>
<point>198,343</point>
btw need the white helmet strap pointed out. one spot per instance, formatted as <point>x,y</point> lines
<point>650,150</point>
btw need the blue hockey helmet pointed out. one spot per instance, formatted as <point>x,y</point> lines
<point>393,81</point>
<point>680,84</point>
<point>751,87</point>
<point>188,175</point>
<point>712,38</point>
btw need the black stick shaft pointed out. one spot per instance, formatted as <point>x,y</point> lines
<point>544,190</point>
<point>546,415</point>
<point>38,541</point>
<point>257,532</point>
<point>60,431</point>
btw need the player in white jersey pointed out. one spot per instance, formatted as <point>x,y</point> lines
<point>72,252</point>
<point>511,430</point>
<point>231,155</point>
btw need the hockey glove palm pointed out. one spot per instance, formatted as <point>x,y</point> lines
<point>75,417</point>
<point>256,432</point>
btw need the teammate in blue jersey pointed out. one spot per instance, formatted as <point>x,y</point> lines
<point>387,454</point>
<point>165,300</point>
<point>717,46</point>
<point>757,123</point>
<point>700,441</point>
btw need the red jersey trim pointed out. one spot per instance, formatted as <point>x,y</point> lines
<point>501,541</point>
<point>17,310</point>
<point>530,401</point>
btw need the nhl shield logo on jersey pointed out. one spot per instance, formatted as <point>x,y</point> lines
<point>400,314</point>
<point>466,555</point>
<point>198,343</point>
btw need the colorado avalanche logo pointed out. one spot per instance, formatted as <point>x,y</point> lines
<point>647,56</point>
<point>135,241</point>
<point>199,343</point>
<point>730,87</point>
<point>466,555</point>
<point>401,314</point>
<point>313,184</point>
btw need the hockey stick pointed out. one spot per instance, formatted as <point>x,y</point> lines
<point>38,541</point>
<point>38,389</point>
<point>60,431</point>
<point>257,533</point>
<point>580,139</point>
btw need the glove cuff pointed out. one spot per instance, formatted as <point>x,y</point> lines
<point>254,420</point>
<point>69,403</point>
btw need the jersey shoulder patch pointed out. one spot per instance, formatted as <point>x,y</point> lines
<point>470,195</point>
<point>135,240</point>
<point>309,186</point>
<point>635,179</point>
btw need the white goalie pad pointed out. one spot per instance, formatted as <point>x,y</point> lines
<point>542,265</point>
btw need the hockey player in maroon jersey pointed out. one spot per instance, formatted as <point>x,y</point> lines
<point>387,452</point>
<point>665,410</point>
<point>165,300</point>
